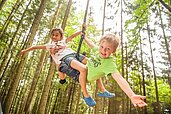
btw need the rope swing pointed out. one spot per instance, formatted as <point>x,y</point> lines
<point>83,31</point>
<point>64,67</point>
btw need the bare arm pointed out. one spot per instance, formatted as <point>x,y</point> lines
<point>72,36</point>
<point>137,100</point>
<point>89,42</point>
<point>123,84</point>
<point>32,48</point>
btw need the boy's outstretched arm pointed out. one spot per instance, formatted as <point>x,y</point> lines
<point>89,42</point>
<point>32,48</point>
<point>137,100</point>
<point>72,36</point>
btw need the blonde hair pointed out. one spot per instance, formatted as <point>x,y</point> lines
<point>112,39</point>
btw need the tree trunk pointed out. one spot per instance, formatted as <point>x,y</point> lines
<point>2,3</point>
<point>165,5</point>
<point>104,12</point>
<point>35,79</point>
<point>127,99</point>
<point>56,100</point>
<point>98,102</point>
<point>167,46</point>
<point>5,60</point>
<point>122,52</point>
<point>43,101</point>
<point>56,14</point>
<point>143,75</point>
<point>154,72</point>
<point>66,15</point>
<point>78,100</point>
<point>15,82</point>
<point>7,22</point>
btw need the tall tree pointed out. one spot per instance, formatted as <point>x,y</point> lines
<point>166,43</point>
<point>15,82</point>
<point>43,100</point>
<point>142,73</point>
<point>67,11</point>
<point>11,15</point>
<point>11,44</point>
<point>3,32</point>
<point>165,5</point>
<point>2,3</point>
<point>122,52</point>
<point>158,108</point>
<point>44,96</point>
<point>40,63</point>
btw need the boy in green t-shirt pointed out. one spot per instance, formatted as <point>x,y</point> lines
<point>101,63</point>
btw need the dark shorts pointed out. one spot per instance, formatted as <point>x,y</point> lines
<point>68,58</point>
<point>67,69</point>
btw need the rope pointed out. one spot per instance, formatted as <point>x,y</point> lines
<point>83,31</point>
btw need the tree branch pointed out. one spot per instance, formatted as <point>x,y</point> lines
<point>165,5</point>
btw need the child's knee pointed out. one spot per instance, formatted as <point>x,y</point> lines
<point>84,61</point>
<point>83,70</point>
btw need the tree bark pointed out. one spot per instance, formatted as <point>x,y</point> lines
<point>154,72</point>
<point>11,15</point>
<point>66,15</point>
<point>167,47</point>
<point>165,5</point>
<point>143,75</point>
<point>11,45</point>
<point>2,3</point>
<point>43,101</point>
<point>15,82</point>
<point>34,82</point>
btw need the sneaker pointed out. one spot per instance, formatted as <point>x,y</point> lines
<point>89,101</point>
<point>106,94</point>
<point>62,81</point>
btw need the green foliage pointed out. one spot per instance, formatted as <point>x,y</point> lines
<point>140,15</point>
<point>164,92</point>
<point>135,79</point>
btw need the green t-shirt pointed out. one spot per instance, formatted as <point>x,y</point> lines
<point>99,67</point>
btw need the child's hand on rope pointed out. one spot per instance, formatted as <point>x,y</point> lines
<point>138,100</point>
<point>83,30</point>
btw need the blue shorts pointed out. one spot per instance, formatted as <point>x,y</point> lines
<point>68,58</point>
<point>67,69</point>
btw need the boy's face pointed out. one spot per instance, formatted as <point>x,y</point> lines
<point>105,49</point>
<point>56,36</point>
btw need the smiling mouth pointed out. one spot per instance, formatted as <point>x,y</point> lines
<point>103,54</point>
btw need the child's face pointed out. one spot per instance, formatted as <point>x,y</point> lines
<point>56,36</point>
<point>105,49</point>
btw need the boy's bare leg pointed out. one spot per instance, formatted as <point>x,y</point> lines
<point>104,92</point>
<point>82,79</point>
<point>100,85</point>
<point>83,75</point>
<point>84,61</point>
